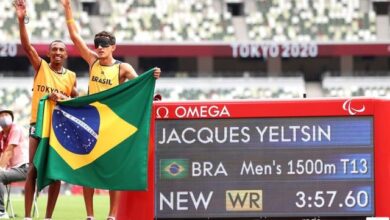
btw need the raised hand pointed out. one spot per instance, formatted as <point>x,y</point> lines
<point>65,2</point>
<point>157,72</point>
<point>20,6</point>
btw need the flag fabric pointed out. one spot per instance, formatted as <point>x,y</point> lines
<point>100,141</point>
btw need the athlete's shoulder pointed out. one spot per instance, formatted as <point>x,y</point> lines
<point>95,62</point>
<point>44,64</point>
<point>125,65</point>
<point>127,71</point>
<point>70,72</point>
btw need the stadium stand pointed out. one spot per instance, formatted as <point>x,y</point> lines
<point>349,86</point>
<point>230,88</point>
<point>170,20</point>
<point>304,20</point>
<point>15,94</point>
<point>202,20</point>
<point>133,20</point>
<point>43,16</point>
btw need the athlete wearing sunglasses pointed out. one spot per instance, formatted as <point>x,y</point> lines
<point>105,72</point>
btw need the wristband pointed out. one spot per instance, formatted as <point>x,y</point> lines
<point>69,21</point>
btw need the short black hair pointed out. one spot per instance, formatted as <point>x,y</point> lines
<point>107,34</point>
<point>56,41</point>
<point>7,111</point>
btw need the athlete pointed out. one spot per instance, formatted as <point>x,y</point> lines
<point>52,79</point>
<point>105,72</point>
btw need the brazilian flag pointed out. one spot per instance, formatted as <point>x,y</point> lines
<point>100,140</point>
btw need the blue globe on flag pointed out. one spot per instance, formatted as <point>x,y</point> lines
<point>77,129</point>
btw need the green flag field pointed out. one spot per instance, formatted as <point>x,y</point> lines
<point>100,141</point>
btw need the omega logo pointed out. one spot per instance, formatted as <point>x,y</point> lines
<point>203,111</point>
<point>162,112</point>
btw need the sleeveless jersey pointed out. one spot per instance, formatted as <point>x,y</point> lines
<point>47,81</point>
<point>103,77</point>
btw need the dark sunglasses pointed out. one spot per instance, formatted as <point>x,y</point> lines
<point>102,41</point>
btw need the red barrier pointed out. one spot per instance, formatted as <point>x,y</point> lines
<point>140,205</point>
<point>382,157</point>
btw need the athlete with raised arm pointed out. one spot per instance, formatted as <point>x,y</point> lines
<point>105,72</point>
<point>50,79</point>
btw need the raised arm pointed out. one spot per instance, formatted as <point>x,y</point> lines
<point>87,54</point>
<point>35,59</point>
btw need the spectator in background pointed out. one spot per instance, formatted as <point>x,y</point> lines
<point>13,156</point>
<point>50,78</point>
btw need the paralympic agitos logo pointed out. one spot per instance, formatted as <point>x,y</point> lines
<point>347,106</point>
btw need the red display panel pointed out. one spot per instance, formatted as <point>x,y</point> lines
<point>377,109</point>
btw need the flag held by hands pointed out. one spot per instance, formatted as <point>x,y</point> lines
<point>99,141</point>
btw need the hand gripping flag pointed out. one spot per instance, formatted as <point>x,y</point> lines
<point>100,140</point>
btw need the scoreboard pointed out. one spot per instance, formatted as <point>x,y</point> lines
<point>300,158</point>
<point>251,167</point>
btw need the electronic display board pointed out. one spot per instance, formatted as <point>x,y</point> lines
<point>264,167</point>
